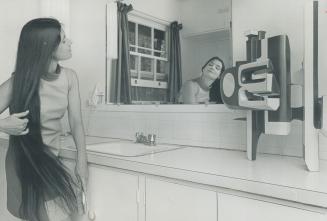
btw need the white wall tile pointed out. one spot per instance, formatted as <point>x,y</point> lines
<point>215,130</point>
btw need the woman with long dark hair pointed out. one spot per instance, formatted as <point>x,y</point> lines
<point>205,88</point>
<point>40,91</point>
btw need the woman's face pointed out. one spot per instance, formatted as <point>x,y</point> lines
<point>212,70</point>
<point>64,50</point>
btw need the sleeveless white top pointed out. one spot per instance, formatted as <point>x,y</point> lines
<point>192,90</point>
<point>54,89</point>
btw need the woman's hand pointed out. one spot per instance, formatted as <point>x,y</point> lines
<point>15,124</point>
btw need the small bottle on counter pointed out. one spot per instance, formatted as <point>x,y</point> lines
<point>100,97</point>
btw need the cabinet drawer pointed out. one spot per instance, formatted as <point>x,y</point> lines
<point>234,208</point>
<point>175,202</point>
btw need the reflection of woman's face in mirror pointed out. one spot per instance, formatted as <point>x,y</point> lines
<point>212,70</point>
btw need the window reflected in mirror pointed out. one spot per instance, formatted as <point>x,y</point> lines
<point>148,61</point>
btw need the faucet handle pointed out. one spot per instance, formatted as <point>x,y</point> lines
<point>139,137</point>
<point>152,139</point>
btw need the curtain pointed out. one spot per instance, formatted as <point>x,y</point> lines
<point>175,64</point>
<point>122,84</point>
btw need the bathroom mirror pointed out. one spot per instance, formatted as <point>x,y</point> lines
<point>205,33</point>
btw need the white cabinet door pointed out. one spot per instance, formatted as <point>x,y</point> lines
<point>234,208</point>
<point>2,177</point>
<point>168,201</point>
<point>4,213</point>
<point>112,194</point>
<point>3,185</point>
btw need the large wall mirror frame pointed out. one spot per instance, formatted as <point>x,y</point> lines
<point>203,36</point>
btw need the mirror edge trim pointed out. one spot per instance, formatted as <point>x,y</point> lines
<point>167,108</point>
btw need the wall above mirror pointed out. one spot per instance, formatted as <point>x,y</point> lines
<point>157,71</point>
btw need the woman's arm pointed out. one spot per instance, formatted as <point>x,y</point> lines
<point>14,124</point>
<point>5,94</point>
<point>76,126</point>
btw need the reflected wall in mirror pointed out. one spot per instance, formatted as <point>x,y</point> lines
<point>205,33</point>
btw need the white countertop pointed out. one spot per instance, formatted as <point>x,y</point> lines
<point>270,175</point>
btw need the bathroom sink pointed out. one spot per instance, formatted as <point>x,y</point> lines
<point>128,148</point>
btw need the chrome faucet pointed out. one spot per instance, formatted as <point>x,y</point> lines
<point>150,140</point>
<point>140,138</point>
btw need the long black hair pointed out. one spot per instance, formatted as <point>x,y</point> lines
<point>214,92</point>
<point>42,176</point>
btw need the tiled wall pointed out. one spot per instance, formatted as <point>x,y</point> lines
<point>216,129</point>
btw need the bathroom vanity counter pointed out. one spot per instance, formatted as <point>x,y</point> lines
<point>193,183</point>
<point>273,176</point>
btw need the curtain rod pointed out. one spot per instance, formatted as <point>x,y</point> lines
<point>146,15</point>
